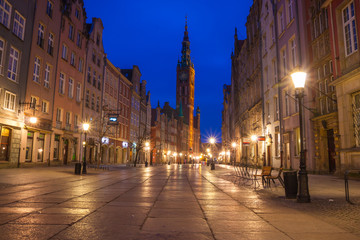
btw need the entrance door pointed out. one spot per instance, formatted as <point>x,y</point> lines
<point>4,144</point>
<point>40,154</point>
<point>29,146</point>
<point>331,150</point>
<point>66,151</point>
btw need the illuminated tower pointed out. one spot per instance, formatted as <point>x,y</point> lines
<point>185,83</point>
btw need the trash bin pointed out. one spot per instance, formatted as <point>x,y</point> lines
<point>291,184</point>
<point>77,168</point>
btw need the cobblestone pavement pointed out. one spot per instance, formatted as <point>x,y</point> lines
<point>164,202</point>
<point>327,199</point>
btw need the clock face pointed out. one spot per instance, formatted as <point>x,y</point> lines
<point>183,76</point>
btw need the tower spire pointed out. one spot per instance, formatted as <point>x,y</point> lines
<point>186,34</point>
<point>185,51</point>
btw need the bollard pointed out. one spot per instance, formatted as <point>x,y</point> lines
<point>77,168</point>
<point>212,166</point>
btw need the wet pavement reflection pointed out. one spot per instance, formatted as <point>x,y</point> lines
<point>163,202</point>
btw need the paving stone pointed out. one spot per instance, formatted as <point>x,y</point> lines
<point>38,232</point>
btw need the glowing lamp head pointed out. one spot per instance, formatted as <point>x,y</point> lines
<point>212,140</point>
<point>147,144</point>
<point>86,126</point>
<point>298,79</point>
<point>33,120</point>
<point>233,144</point>
<point>254,138</point>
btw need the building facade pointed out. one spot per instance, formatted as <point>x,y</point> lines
<point>67,117</point>
<point>92,108</point>
<point>16,35</point>
<point>343,22</point>
<point>41,81</point>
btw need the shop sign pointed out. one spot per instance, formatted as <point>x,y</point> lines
<point>105,140</point>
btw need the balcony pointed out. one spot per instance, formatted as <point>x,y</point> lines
<point>58,124</point>
<point>68,127</point>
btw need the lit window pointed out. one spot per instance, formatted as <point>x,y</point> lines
<point>49,8</point>
<point>59,115</point>
<point>349,25</point>
<point>64,52</point>
<point>72,59</point>
<point>13,64</point>
<point>36,75</point>
<point>47,76</point>
<point>19,25</point>
<point>44,106</point>
<point>80,65</point>
<point>9,102</point>
<point>78,92</point>
<point>62,83</point>
<point>40,39</point>
<point>293,52</point>
<point>71,32</point>
<point>71,88</point>
<point>50,44</point>
<point>291,14</point>
<point>5,13</point>
<point>78,40</point>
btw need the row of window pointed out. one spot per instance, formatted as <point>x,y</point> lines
<point>95,82</point>
<point>91,104</point>
<point>68,119</point>
<point>64,55</point>
<point>19,21</point>
<point>62,80</point>
<point>44,104</point>
<point>37,72</point>
<point>40,39</point>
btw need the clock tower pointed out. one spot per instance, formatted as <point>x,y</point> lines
<point>185,85</point>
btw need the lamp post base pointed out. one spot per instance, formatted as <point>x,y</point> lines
<point>303,192</point>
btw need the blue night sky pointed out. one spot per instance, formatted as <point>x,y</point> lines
<point>149,34</point>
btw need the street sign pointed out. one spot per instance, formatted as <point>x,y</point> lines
<point>261,138</point>
<point>246,142</point>
<point>113,119</point>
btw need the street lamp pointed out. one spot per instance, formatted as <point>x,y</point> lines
<point>86,127</point>
<point>233,144</point>
<point>33,120</point>
<point>303,190</point>
<point>212,142</point>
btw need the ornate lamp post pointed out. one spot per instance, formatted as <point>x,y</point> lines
<point>303,190</point>
<point>254,138</point>
<point>212,142</point>
<point>86,127</point>
<point>233,145</point>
